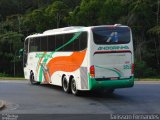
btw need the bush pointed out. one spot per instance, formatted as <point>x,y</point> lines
<point>4,75</point>
<point>143,71</point>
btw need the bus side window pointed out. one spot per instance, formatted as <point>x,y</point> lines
<point>67,38</point>
<point>37,44</point>
<point>76,44</point>
<point>83,41</point>
<point>43,43</point>
<point>32,45</point>
<point>59,42</point>
<point>51,43</point>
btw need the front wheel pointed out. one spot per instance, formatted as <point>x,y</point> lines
<point>74,87</point>
<point>32,81</point>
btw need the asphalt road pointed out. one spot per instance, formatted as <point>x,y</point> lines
<point>23,98</point>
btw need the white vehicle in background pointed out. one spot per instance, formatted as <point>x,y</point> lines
<point>81,58</point>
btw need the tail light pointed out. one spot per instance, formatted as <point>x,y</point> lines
<point>132,71</point>
<point>92,71</point>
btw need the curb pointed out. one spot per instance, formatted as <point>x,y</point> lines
<point>2,104</point>
<point>147,82</point>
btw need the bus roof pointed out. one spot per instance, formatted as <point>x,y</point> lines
<point>70,30</point>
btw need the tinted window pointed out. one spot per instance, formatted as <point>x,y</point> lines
<point>35,44</point>
<point>51,43</point>
<point>44,45</point>
<point>83,41</point>
<point>76,44</point>
<point>113,35</point>
<point>59,41</point>
<point>67,38</point>
<point>80,43</point>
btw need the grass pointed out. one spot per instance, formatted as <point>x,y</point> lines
<point>12,78</point>
<point>147,79</point>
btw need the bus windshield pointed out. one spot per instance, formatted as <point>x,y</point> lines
<point>111,35</point>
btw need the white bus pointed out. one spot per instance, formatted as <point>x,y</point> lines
<point>81,58</point>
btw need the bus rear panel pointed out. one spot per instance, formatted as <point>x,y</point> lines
<point>111,58</point>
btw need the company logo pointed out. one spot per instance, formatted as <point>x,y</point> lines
<point>114,48</point>
<point>41,55</point>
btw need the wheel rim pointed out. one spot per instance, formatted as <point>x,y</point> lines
<point>73,86</point>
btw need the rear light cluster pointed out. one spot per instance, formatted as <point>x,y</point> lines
<point>92,71</point>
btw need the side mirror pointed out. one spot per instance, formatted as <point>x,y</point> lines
<point>21,53</point>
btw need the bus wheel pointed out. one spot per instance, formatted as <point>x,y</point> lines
<point>33,82</point>
<point>65,85</point>
<point>73,87</point>
<point>109,91</point>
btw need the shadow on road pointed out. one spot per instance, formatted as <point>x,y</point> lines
<point>87,94</point>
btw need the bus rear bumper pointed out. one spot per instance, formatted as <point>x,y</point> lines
<point>111,84</point>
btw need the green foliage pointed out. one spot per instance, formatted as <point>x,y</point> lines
<point>45,18</point>
<point>10,42</point>
<point>19,19</point>
<point>34,21</point>
<point>155,30</point>
<point>142,70</point>
<point>4,75</point>
<point>56,13</point>
<point>8,7</point>
<point>87,14</point>
<point>111,12</point>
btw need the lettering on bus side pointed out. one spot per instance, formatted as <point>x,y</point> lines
<point>114,48</point>
<point>41,55</point>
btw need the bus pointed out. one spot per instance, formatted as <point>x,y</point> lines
<point>81,58</point>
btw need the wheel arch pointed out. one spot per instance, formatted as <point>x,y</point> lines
<point>31,72</point>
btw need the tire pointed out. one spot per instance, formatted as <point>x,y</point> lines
<point>109,91</point>
<point>32,81</point>
<point>103,92</point>
<point>65,85</point>
<point>74,88</point>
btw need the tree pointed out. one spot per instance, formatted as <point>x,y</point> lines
<point>57,13</point>
<point>10,43</point>
<point>35,21</point>
<point>111,12</point>
<point>87,13</point>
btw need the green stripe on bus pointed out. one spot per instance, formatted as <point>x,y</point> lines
<point>40,75</point>
<point>46,59</point>
<point>118,73</point>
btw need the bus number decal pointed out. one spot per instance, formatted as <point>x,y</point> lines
<point>126,67</point>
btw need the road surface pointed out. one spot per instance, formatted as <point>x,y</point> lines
<point>24,98</point>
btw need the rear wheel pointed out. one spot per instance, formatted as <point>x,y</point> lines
<point>109,91</point>
<point>74,87</point>
<point>102,92</point>
<point>32,80</point>
<point>65,85</point>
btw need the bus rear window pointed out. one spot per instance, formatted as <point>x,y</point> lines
<point>111,35</point>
